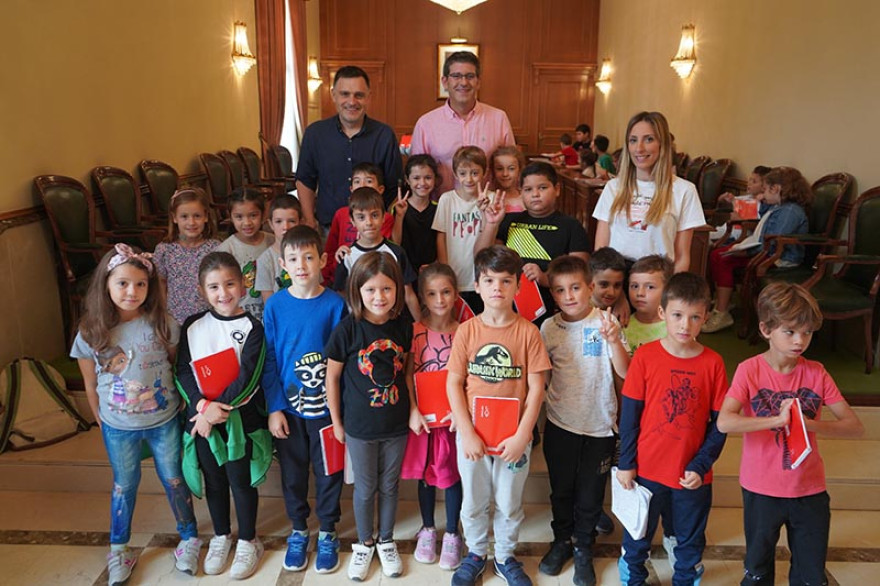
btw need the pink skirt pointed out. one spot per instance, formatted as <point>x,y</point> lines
<point>431,457</point>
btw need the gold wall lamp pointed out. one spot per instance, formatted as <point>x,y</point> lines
<point>684,61</point>
<point>242,58</point>
<point>604,81</point>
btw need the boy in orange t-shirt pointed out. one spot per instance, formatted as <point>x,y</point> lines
<point>496,354</point>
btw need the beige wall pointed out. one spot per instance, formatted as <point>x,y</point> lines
<point>106,82</point>
<point>791,82</point>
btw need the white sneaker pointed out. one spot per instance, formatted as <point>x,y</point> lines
<point>718,320</point>
<point>119,566</point>
<point>359,565</point>
<point>218,553</point>
<point>186,556</point>
<point>390,559</point>
<point>669,544</point>
<point>247,556</point>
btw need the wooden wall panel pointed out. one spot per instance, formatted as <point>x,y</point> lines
<point>398,40</point>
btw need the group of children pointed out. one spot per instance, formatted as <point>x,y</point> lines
<point>269,355</point>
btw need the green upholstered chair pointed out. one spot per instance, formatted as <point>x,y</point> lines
<point>219,180</point>
<point>281,163</point>
<point>851,290</point>
<point>162,180</point>
<point>695,167</point>
<point>680,160</point>
<point>711,179</point>
<point>239,178</point>
<point>122,209</point>
<point>829,194</point>
<point>71,213</point>
<point>253,165</point>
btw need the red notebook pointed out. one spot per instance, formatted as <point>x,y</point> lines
<point>332,450</point>
<point>431,397</point>
<point>216,372</point>
<point>528,300</point>
<point>798,441</point>
<point>462,310</point>
<point>495,420</point>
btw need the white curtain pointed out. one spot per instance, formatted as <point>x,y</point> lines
<point>292,128</point>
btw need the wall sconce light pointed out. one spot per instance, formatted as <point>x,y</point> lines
<point>604,81</point>
<point>242,58</point>
<point>684,61</point>
<point>315,80</point>
<point>458,6</point>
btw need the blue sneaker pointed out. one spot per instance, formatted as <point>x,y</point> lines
<point>471,568</point>
<point>512,572</point>
<point>297,557</point>
<point>328,553</point>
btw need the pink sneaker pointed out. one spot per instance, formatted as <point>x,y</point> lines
<point>450,552</point>
<point>426,546</point>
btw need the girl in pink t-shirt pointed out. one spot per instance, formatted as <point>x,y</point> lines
<point>776,490</point>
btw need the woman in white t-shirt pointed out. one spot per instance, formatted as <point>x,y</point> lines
<point>647,209</point>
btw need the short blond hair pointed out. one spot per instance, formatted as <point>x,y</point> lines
<point>783,303</point>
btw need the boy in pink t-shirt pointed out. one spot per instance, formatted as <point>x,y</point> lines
<point>757,405</point>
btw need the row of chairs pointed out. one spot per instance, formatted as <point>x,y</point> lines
<point>72,210</point>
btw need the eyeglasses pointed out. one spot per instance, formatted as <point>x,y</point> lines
<point>461,76</point>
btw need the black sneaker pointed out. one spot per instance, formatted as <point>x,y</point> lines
<point>584,573</point>
<point>605,526</point>
<point>552,562</point>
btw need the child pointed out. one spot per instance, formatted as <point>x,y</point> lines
<point>285,212</point>
<point>124,320</point>
<point>608,268</point>
<point>365,208</point>
<point>758,406</point>
<point>495,354</point>
<point>507,163</point>
<point>567,155</point>
<point>458,221</point>
<point>538,234</point>
<point>191,236</point>
<point>604,163</point>
<point>754,185</point>
<point>586,347</point>
<point>342,231</point>
<point>216,417</point>
<point>647,278</point>
<point>246,208</point>
<point>788,196</point>
<point>647,209</point>
<point>430,453</point>
<point>414,214</point>
<point>369,402</point>
<point>582,137</point>
<point>294,380</point>
<point>668,438</point>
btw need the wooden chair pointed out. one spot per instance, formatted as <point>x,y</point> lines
<point>851,291</point>
<point>695,167</point>
<point>162,180</point>
<point>122,209</point>
<point>281,164</point>
<point>711,178</point>
<point>680,160</point>
<point>239,178</point>
<point>219,180</point>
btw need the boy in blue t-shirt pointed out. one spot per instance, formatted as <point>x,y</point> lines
<point>293,381</point>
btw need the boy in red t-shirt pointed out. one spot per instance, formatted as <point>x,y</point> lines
<point>668,438</point>
<point>775,493</point>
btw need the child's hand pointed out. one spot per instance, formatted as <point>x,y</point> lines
<point>691,480</point>
<point>342,252</point>
<point>494,210</point>
<point>278,425</point>
<point>609,330</point>
<point>725,197</point>
<point>626,478</point>
<point>621,311</point>
<point>401,203</point>
<point>339,432</point>
<point>785,412</point>
<point>451,421</point>
<point>417,422</point>
<point>484,196</point>
<point>473,446</point>
<point>533,272</point>
<point>216,413</point>
<point>513,448</point>
<point>201,427</point>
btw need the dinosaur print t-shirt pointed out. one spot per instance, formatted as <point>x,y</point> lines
<point>766,460</point>
<point>678,396</point>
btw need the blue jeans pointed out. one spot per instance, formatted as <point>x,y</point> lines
<point>124,451</point>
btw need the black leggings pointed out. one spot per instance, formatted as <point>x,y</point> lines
<point>220,479</point>
<point>427,503</point>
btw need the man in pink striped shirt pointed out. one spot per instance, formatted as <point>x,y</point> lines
<point>461,121</point>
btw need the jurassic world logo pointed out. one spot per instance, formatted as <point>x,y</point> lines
<point>494,364</point>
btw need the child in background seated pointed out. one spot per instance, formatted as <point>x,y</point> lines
<point>758,406</point>
<point>566,156</point>
<point>647,278</point>
<point>285,212</point>
<point>788,196</point>
<point>586,347</point>
<point>668,438</point>
<point>754,186</point>
<point>342,230</point>
<point>246,208</point>
<point>507,163</point>
<point>604,163</point>
<point>583,135</point>
<point>414,213</point>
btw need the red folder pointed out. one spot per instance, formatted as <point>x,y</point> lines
<point>332,450</point>
<point>462,310</point>
<point>746,207</point>
<point>528,300</point>
<point>216,372</point>
<point>431,397</point>
<point>798,441</point>
<point>495,420</point>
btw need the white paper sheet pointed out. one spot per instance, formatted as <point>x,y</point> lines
<point>630,506</point>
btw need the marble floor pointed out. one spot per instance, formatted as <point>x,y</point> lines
<point>60,538</point>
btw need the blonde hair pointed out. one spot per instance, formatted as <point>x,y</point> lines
<point>663,172</point>
<point>190,195</point>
